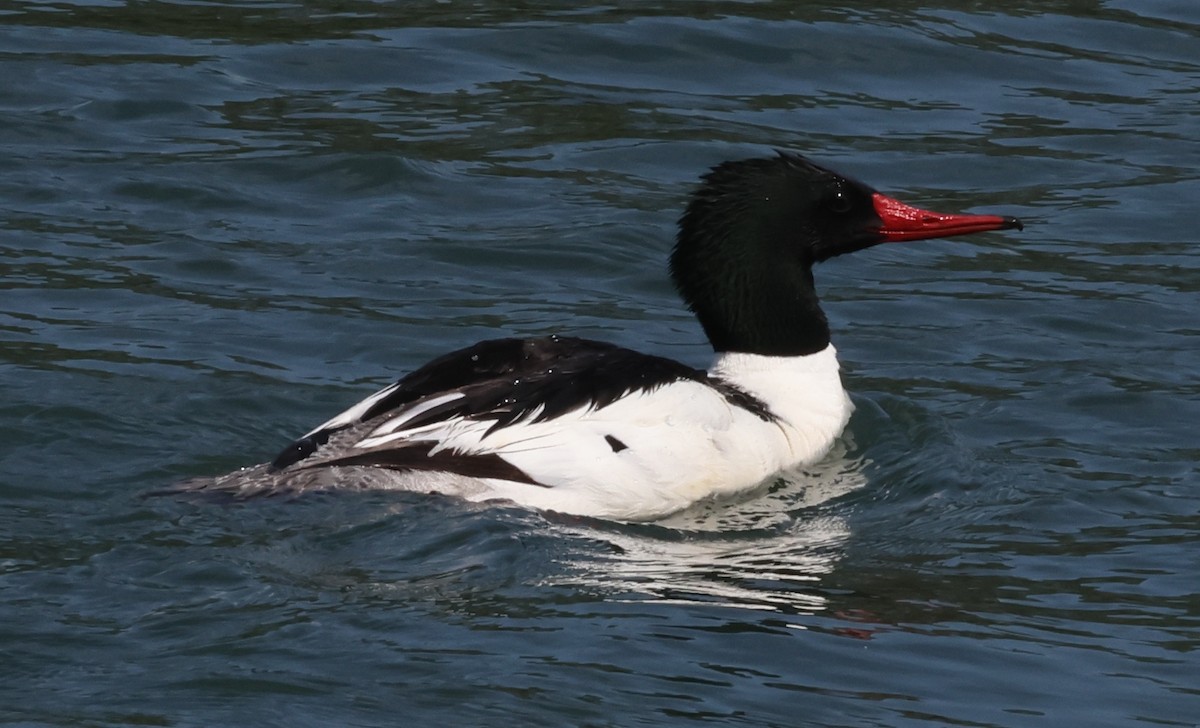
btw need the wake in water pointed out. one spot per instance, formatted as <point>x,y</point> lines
<point>767,551</point>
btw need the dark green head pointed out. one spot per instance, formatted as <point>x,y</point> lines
<point>753,230</point>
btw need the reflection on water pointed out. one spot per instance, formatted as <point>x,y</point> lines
<point>765,552</point>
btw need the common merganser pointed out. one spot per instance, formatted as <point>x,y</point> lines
<point>589,428</point>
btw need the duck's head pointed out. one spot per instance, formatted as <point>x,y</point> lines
<point>753,230</point>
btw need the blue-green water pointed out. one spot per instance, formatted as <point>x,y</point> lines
<point>220,223</point>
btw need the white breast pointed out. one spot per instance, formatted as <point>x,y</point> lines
<point>804,392</point>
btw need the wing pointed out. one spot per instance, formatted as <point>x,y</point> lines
<point>485,361</point>
<point>484,388</point>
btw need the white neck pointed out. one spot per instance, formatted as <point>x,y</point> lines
<point>803,392</point>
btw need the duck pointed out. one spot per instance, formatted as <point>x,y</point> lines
<point>588,428</point>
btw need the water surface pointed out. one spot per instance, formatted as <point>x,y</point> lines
<point>222,222</point>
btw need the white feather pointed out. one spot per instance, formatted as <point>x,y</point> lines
<point>355,413</point>
<point>419,408</point>
<point>684,441</point>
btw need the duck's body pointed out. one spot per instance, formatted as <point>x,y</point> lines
<point>593,429</point>
<point>584,427</point>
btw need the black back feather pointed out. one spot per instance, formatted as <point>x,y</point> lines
<point>510,380</point>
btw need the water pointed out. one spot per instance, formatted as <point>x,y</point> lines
<point>224,222</point>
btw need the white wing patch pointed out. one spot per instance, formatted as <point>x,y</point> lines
<point>391,430</point>
<point>355,413</point>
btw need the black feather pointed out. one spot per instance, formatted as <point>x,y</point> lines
<point>418,457</point>
<point>511,380</point>
<point>615,444</point>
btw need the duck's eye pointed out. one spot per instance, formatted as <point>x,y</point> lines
<point>840,202</point>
